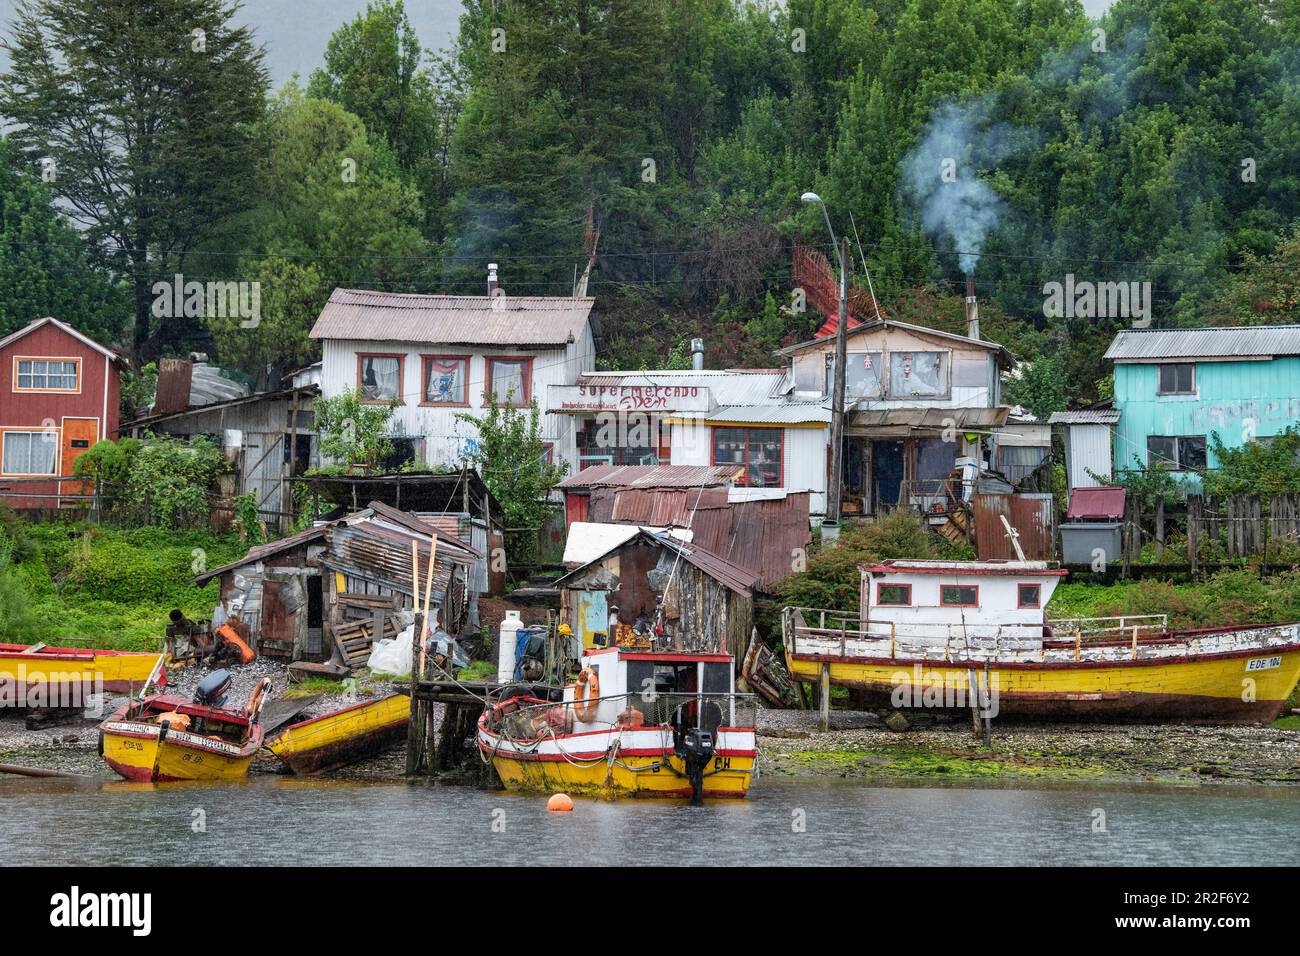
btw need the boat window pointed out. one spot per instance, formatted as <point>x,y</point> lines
<point>717,679</point>
<point>1029,595</point>
<point>894,594</point>
<point>959,595</point>
<point>640,679</point>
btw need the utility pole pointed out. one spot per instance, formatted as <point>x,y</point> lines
<point>837,408</point>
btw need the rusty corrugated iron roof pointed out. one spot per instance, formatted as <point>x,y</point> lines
<point>651,476</point>
<point>263,551</point>
<point>737,578</point>
<point>665,507</point>
<point>536,321</point>
<point>764,535</point>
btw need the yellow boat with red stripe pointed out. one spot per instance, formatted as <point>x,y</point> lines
<point>636,723</point>
<point>340,737</point>
<point>40,676</point>
<point>974,634</point>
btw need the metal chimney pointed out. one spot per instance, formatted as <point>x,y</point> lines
<point>492,279</point>
<point>697,354</point>
<point>972,309</point>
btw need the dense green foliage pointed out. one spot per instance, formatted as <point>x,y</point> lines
<point>107,587</point>
<point>352,430</point>
<point>1257,467</point>
<point>831,578</point>
<point>161,481</point>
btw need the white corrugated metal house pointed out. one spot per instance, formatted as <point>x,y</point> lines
<point>1088,445</point>
<point>441,355</point>
<point>748,418</point>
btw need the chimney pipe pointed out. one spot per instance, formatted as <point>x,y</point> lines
<point>697,354</point>
<point>492,279</point>
<point>972,310</point>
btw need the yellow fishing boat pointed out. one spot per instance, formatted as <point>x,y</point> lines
<point>974,634</point>
<point>162,738</point>
<point>343,736</point>
<point>636,723</point>
<point>40,676</point>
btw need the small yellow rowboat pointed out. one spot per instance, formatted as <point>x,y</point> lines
<point>343,736</point>
<point>40,676</point>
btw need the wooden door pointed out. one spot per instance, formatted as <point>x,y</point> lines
<point>78,435</point>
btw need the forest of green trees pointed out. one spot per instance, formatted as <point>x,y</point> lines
<point>1017,138</point>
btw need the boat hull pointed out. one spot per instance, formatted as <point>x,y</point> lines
<point>344,736</point>
<point>615,763</point>
<point>64,676</point>
<point>1241,687</point>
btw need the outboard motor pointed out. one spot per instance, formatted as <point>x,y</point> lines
<point>213,689</point>
<point>696,748</point>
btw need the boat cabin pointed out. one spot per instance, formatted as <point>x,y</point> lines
<point>942,600</point>
<point>636,688</point>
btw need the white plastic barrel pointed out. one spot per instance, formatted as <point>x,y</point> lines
<point>506,642</point>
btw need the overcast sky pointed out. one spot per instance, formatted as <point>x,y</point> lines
<point>295,31</point>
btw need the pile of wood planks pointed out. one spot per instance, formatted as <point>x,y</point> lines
<point>355,637</point>
<point>765,675</point>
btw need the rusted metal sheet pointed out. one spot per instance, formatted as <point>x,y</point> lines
<point>766,536</point>
<point>173,392</point>
<point>651,476</point>
<point>665,507</point>
<point>1031,515</point>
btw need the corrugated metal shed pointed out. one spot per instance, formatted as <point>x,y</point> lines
<point>264,551</point>
<point>733,576</point>
<point>521,321</point>
<point>726,386</point>
<point>1162,345</point>
<point>650,476</point>
<point>764,535</point>
<point>1085,416</point>
<point>665,507</point>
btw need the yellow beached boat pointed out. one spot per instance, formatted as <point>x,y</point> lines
<point>39,676</point>
<point>963,634</point>
<point>636,723</point>
<point>343,736</point>
<point>162,738</point>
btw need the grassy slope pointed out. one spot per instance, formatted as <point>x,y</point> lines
<point>107,587</point>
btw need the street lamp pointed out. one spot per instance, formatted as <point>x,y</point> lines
<point>837,396</point>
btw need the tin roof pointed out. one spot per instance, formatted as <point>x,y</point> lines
<point>650,476</point>
<point>1251,341</point>
<point>959,418</point>
<point>80,337</point>
<point>263,551</point>
<point>788,413</point>
<point>764,535</point>
<point>1099,503</point>
<point>1085,416</point>
<point>536,321</point>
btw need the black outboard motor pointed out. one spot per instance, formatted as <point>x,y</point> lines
<point>695,747</point>
<point>212,690</point>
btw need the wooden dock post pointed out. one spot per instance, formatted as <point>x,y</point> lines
<point>824,698</point>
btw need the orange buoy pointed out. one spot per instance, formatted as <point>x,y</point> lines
<point>560,803</point>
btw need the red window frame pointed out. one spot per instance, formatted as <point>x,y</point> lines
<point>744,478</point>
<point>975,603</point>
<point>424,381</point>
<point>893,584</point>
<point>1038,596</point>
<point>401,376</point>
<point>491,360</point>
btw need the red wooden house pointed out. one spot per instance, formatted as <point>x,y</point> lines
<point>59,394</point>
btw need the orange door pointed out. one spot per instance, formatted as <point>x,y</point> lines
<point>78,435</point>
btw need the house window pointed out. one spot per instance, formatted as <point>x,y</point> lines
<point>510,380</point>
<point>446,380</point>
<point>862,375</point>
<point>379,377</point>
<point>760,451</point>
<point>894,595</point>
<point>918,374</point>
<point>30,453</point>
<point>1178,378</point>
<point>959,595</point>
<point>46,375</point>
<point>627,441</point>
<point>1029,595</point>
<point>1176,452</point>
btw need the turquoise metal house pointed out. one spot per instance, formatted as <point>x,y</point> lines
<point>1174,388</point>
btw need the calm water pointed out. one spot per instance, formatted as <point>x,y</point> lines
<point>283,821</point>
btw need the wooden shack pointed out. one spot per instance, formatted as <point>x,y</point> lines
<point>323,592</point>
<point>708,602</point>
